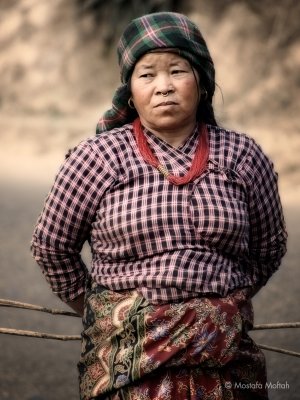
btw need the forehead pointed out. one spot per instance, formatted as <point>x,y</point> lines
<point>156,58</point>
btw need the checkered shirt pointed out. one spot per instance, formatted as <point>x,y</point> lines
<point>223,231</point>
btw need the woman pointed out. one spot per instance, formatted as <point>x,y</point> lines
<point>185,225</point>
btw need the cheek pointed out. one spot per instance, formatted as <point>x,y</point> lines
<point>191,93</point>
<point>141,96</point>
<point>139,100</point>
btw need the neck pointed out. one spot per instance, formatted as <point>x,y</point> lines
<point>173,136</point>
<point>199,162</point>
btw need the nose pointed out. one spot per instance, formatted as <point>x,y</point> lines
<point>164,84</point>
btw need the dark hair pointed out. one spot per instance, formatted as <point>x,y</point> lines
<point>205,111</point>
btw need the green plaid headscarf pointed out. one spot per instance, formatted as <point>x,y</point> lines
<point>156,31</point>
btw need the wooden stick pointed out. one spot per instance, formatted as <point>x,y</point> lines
<point>279,325</point>
<point>279,350</point>
<point>18,304</point>
<point>40,335</point>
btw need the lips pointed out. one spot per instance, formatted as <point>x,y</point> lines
<point>166,103</point>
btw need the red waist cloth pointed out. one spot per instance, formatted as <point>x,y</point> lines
<point>195,349</point>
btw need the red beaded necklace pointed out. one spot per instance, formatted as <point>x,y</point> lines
<point>198,164</point>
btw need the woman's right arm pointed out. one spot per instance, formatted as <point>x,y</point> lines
<point>65,222</point>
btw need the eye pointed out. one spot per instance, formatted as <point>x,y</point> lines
<point>146,75</point>
<point>178,71</point>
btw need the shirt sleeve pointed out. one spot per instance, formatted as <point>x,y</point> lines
<point>268,236</point>
<point>65,222</point>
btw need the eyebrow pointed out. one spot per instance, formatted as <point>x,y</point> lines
<point>145,66</point>
<point>172,64</point>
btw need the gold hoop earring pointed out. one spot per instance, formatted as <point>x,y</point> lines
<point>131,103</point>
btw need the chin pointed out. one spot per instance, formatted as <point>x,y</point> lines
<point>162,122</point>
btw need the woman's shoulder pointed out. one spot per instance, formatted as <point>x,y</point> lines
<point>234,147</point>
<point>232,141</point>
<point>230,137</point>
<point>105,148</point>
<point>111,139</point>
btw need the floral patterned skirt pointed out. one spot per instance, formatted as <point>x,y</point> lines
<point>194,349</point>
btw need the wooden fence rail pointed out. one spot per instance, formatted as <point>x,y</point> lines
<point>42,335</point>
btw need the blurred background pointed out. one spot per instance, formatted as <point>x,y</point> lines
<point>58,71</point>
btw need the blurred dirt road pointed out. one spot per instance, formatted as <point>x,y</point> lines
<point>39,369</point>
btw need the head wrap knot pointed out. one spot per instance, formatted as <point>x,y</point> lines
<point>150,32</point>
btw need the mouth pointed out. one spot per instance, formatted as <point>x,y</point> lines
<point>167,103</point>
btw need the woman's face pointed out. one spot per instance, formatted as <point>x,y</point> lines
<point>157,73</point>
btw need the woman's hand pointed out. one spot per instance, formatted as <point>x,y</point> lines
<point>77,305</point>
